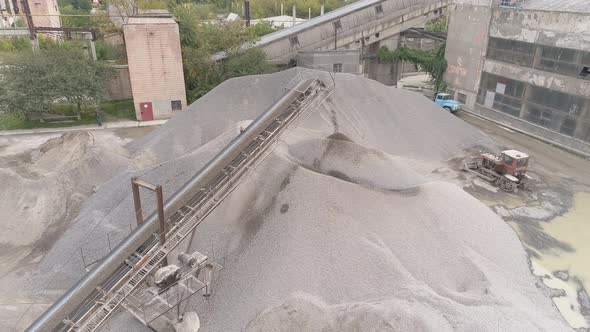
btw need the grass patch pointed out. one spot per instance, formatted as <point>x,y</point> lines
<point>116,110</point>
<point>119,109</point>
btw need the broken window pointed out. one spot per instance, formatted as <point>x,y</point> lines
<point>451,92</point>
<point>542,117</point>
<point>294,41</point>
<point>462,98</point>
<point>176,105</point>
<point>379,9</point>
<point>556,100</point>
<point>564,61</point>
<point>337,67</point>
<point>568,127</point>
<point>511,51</point>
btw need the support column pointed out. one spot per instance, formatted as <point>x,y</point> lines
<point>136,202</point>
<point>93,49</point>
<point>294,15</point>
<point>247,12</point>
<point>135,184</point>
<point>524,106</point>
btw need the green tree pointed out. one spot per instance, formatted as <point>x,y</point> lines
<point>267,8</point>
<point>262,28</point>
<point>433,62</point>
<point>36,82</point>
<point>438,25</point>
<point>15,44</point>
<point>84,5</point>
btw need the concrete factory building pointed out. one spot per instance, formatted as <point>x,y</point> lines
<point>155,66</point>
<point>525,63</point>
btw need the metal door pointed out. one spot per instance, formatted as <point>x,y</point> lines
<point>147,113</point>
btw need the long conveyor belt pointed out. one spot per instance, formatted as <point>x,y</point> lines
<point>184,211</point>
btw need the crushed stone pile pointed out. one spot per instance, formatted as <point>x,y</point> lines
<point>341,228</point>
<point>49,183</point>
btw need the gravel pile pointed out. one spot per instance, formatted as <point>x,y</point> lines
<point>339,228</point>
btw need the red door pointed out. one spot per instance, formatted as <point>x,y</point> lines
<point>147,114</point>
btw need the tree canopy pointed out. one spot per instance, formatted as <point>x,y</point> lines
<point>438,25</point>
<point>33,82</point>
<point>201,41</point>
<point>433,62</point>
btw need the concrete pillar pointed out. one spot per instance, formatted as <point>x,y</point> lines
<point>322,10</point>
<point>282,13</point>
<point>308,13</point>
<point>294,15</point>
<point>93,49</point>
<point>583,124</point>
<point>85,46</point>
<point>35,44</point>
<point>525,96</point>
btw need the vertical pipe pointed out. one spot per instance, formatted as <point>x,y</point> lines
<point>322,10</point>
<point>294,15</point>
<point>309,13</point>
<point>282,12</point>
<point>247,12</point>
<point>161,219</point>
<point>136,202</point>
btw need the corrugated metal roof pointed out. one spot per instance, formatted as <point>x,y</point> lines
<point>577,6</point>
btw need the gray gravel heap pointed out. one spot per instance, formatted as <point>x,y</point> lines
<point>338,229</point>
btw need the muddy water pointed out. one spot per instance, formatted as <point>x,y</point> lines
<point>572,228</point>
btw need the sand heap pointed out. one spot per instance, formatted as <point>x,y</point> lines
<point>341,228</point>
<point>48,184</point>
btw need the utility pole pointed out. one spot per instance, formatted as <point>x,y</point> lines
<point>247,12</point>
<point>30,23</point>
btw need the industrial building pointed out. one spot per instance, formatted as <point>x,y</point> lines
<point>524,63</point>
<point>155,66</point>
<point>44,13</point>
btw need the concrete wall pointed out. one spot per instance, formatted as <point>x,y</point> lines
<point>386,73</point>
<point>120,84</point>
<point>535,77</point>
<point>360,24</point>
<point>155,64</point>
<point>350,60</point>
<point>559,29</point>
<point>467,41</point>
<point>533,128</point>
<point>473,22</point>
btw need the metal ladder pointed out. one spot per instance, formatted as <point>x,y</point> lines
<point>188,217</point>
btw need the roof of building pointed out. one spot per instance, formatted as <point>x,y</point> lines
<point>280,21</point>
<point>578,6</point>
<point>150,20</point>
<point>515,154</point>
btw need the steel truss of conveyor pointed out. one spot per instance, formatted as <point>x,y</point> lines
<point>189,216</point>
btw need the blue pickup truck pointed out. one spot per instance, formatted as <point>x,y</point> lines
<point>445,101</point>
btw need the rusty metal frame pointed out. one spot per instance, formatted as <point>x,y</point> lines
<point>135,184</point>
